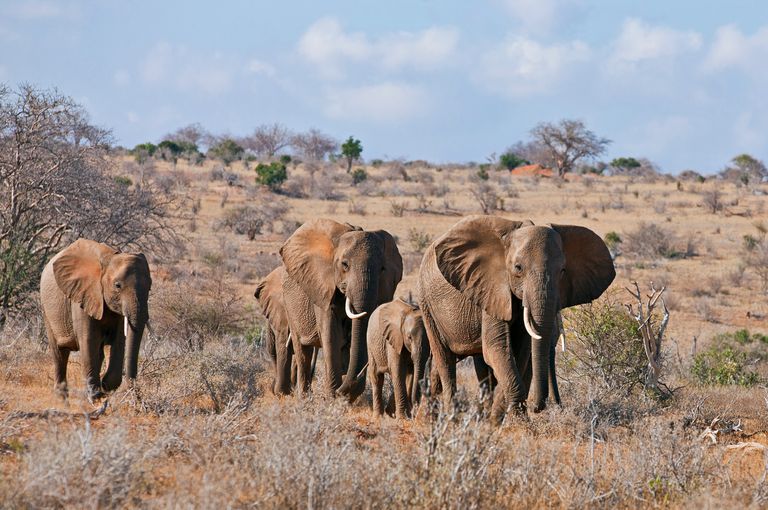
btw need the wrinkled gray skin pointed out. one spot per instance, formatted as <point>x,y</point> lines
<point>328,263</point>
<point>91,295</point>
<point>269,295</point>
<point>398,346</point>
<point>477,279</point>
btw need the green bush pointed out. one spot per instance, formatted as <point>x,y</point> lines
<point>359,175</point>
<point>510,160</point>
<point>612,240</point>
<point>122,180</point>
<point>723,365</point>
<point>482,173</point>
<point>605,346</point>
<point>227,150</point>
<point>272,175</point>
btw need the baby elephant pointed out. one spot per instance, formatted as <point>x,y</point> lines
<point>397,343</point>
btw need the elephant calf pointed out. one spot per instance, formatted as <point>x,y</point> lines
<point>398,345</point>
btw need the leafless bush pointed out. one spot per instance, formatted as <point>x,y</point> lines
<point>713,201</point>
<point>398,208</point>
<point>650,241</point>
<point>736,276</point>
<point>251,220</point>
<point>368,188</point>
<point>418,239</point>
<point>325,187</point>
<point>486,196</point>
<point>411,262</point>
<point>355,207</point>
<point>703,308</point>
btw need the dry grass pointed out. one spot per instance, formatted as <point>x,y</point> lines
<point>203,430</point>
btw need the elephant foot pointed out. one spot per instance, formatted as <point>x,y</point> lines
<point>539,406</point>
<point>94,395</point>
<point>109,384</point>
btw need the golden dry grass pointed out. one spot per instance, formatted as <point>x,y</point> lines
<point>165,446</point>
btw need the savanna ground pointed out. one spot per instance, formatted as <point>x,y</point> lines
<point>202,428</point>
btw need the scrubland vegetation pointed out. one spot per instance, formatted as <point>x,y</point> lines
<point>201,427</point>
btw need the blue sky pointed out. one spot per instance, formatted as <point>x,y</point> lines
<point>679,82</point>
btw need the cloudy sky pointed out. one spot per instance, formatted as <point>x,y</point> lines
<point>444,80</point>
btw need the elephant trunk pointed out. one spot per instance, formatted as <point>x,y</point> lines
<point>541,311</point>
<point>136,317</point>
<point>363,302</point>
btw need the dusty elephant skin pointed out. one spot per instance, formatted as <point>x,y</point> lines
<point>92,295</point>
<point>269,294</point>
<point>494,287</point>
<point>398,345</point>
<point>336,275</point>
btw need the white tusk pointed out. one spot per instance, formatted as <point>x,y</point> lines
<point>350,314</point>
<point>562,330</point>
<point>125,326</point>
<point>528,327</point>
<point>289,340</point>
<point>362,370</point>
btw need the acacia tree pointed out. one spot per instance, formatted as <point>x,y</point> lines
<point>314,145</point>
<point>268,139</point>
<point>568,142</point>
<point>56,185</point>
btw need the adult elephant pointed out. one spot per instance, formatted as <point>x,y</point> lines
<point>92,295</point>
<point>336,275</point>
<point>495,287</point>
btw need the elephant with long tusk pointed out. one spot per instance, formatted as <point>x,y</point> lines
<point>336,276</point>
<point>495,287</point>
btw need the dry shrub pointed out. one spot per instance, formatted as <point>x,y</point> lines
<point>356,207</point>
<point>487,197</point>
<point>398,208</point>
<point>650,241</point>
<point>264,211</point>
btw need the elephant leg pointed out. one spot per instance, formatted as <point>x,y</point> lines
<point>91,355</point>
<point>484,375</point>
<point>497,352</point>
<point>443,361</point>
<point>377,384</point>
<point>114,374</point>
<point>294,372</point>
<point>435,386</point>
<point>398,370</point>
<point>60,359</point>
<point>331,337</point>
<point>302,354</point>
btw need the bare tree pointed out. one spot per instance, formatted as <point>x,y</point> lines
<point>651,330</point>
<point>194,134</point>
<point>56,184</point>
<point>531,151</point>
<point>567,143</point>
<point>314,145</point>
<point>267,139</point>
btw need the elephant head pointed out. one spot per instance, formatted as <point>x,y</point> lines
<point>325,257</point>
<point>403,328</point>
<point>269,294</point>
<point>96,276</point>
<point>511,268</point>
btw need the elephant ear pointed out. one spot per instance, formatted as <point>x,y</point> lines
<point>393,266</point>
<point>78,270</point>
<point>472,257</point>
<point>588,265</point>
<point>391,319</point>
<point>308,257</point>
<point>269,294</point>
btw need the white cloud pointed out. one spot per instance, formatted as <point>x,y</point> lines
<point>256,66</point>
<point>640,41</point>
<point>523,66</point>
<point>534,14</point>
<point>383,102</point>
<point>177,66</point>
<point>733,49</point>
<point>326,45</point>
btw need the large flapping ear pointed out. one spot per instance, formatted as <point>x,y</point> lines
<point>78,270</point>
<point>588,265</point>
<point>308,257</point>
<point>269,294</point>
<point>393,266</point>
<point>472,257</point>
<point>391,318</point>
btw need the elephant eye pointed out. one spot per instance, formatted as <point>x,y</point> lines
<point>118,285</point>
<point>518,268</point>
<point>345,265</point>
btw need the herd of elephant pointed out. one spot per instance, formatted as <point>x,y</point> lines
<point>489,287</point>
